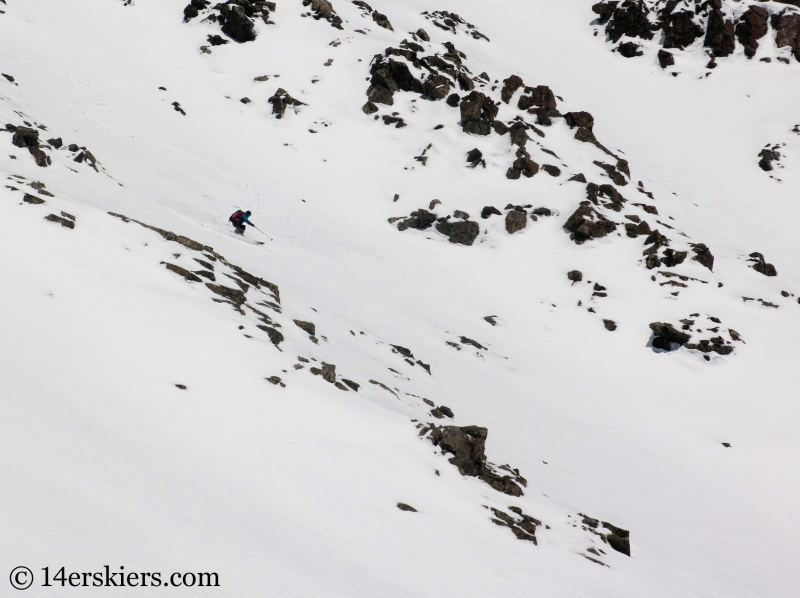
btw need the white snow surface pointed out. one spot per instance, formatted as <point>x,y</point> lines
<point>293,491</point>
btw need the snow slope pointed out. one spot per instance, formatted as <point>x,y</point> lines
<point>293,491</point>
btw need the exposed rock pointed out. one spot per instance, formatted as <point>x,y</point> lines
<point>510,86</point>
<point>353,385</point>
<point>436,87</point>
<point>488,211</point>
<point>182,272</point>
<point>65,222</point>
<point>703,255</point>
<point>32,199</point>
<point>56,142</point>
<point>515,221</point>
<point>25,137</point>
<point>460,214</point>
<point>551,170</point>
<point>475,157</point>
<point>629,50</point>
<point>579,119</point>
<point>234,295</point>
<point>768,156</point>
<point>787,28</point>
<point>307,327</point>
<point>236,24</point>
<point>382,20</point>
<point>280,100</point>
<point>761,266</point>
<point>404,507</point>
<point>666,335</point>
<point>419,219</point>
<point>329,372</point>
<point>680,30</point>
<point>587,223</point>
<point>274,335</point>
<point>323,9</point>
<point>463,232</point>
<point>629,18</point>
<point>752,26</point>
<point>665,59</point>
<point>467,444</point>
<point>477,113</point>
<point>468,341</point>
<point>453,100</point>
<point>719,34</point>
<point>610,325</point>
<point>618,539</point>
<point>575,275</point>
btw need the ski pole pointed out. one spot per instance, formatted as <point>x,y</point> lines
<point>262,232</point>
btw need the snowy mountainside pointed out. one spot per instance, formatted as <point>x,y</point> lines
<point>562,371</point>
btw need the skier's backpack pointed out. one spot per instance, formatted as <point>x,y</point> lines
<point>236,217</point>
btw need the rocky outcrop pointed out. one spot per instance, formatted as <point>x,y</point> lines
<point>281,100</point>
<point>710,19</point>
<point>463,232</point>
<point>667,338</point>
<point>236,18</point>
<point>477,113</point>
<point>323,9</point>
<point>616,537</point>
<point>752,26</point>
<point>703,255</point>
<point>587,223</point>
<point>767,157</point>
<point>787,31</point>
<point>516,220</point>
<point>761,266</point>
<point>719,34</point>
<point>467,444</point>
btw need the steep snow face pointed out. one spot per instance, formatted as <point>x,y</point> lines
<point>310,416</point>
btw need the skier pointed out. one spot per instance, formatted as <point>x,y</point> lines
<point>238,218</point>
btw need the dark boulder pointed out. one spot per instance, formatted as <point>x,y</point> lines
<point>306,327</point>
<point>579,119</point>
<point>665,59</point>
<point>236,23</point>
<point>586,223</point>
<point>453,100</point>
<point>467,444</point>
<point>703,255</point>
<point>436,87</point>
<point>541,96</point>
<point>281,100</point>
<point>510,86</point>
<point>182,272</point>
<point>752,26</point>
<point>463,232</point>
<point>477,113</point>
<point>551,170</point>
<point>25,137</point>
<point>787,28</point>
<point>719,34</point>
<point>630,18</point>
<point>666,335</point>
<point>419,219</point>
<point>761,266</point>
<point>488,211</point>
<point>575,275</point>
<point>382,20</point>
<point>768,156</point>
<point>629,50</point>
<point>680,30</point>
<point>515,221</point>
